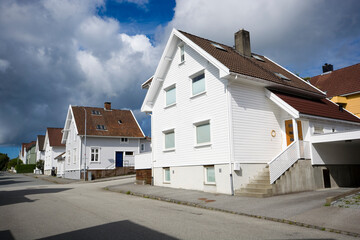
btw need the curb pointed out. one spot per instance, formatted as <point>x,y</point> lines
<point>279,220</point>
<point>329,200</point>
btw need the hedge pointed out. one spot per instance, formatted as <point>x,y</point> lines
<point>25,168</point>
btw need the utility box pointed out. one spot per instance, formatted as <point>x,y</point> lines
<point>237,167</point>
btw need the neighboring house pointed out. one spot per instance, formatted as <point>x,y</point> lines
<point>30,152</point>
<point>111,140</point>
<point>22,154</point>
<point>60,165</point>
<point>52,147</point>
<point>342,86</point>
<point>40,153</point>
<point>226,120</point>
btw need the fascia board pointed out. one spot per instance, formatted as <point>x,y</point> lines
<point>282,104</point>
<point>335,137</point>
<point>137,123</point>
<point>296,76</point>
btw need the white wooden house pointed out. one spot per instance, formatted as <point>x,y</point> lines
<point>52,147</point>
<point>40,152</point>
<point>111,140</point>
<point>226,120</point>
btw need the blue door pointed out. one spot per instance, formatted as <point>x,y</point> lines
<point>119,159</point>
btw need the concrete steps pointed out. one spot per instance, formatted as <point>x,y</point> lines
<point>258,187</point>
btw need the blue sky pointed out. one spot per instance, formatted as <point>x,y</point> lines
<point>86,52</point>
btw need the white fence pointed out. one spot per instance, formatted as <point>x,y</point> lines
<point>281,163</point>
<point>143,161</point>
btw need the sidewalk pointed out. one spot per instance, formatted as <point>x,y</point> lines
<point>304,209</point>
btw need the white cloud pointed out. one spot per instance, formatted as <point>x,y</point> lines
<point>4,65</point>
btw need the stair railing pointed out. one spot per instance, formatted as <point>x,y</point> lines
<point>282,162</point>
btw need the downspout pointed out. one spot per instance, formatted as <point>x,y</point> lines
<point>152,152</point>
<point>231,138</point>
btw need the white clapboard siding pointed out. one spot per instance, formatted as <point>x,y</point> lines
<point>187,111</point>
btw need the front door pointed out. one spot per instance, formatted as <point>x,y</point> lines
<point>119,159</point>
<point>290,131</point>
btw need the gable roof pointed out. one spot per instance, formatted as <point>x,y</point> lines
<point>129,127</point>
<point>40,140</point>
<point>250,66</point>
<point>316,107</point>
<point>29,145</point>
<point>55,135</point>
<point>339,82</point>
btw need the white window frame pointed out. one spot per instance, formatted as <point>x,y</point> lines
<point>142,147</point>
<point>124,140</point>
<point>196,125</point>
<point>164,173</point>
<point>98,155</point>
<point>192,77</point>
<point>206,175</point>
<point>172,86</point>
<point>182,53</point>
<point>164,139</point>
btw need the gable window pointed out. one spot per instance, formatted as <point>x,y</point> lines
<point>203,133</point>
<point>182,53</point>
<point>100,127</point>
<point>166,175</point>
<point>170,95</point>
<point>124,140</point>
<point>169,138</point>
<point>95,154</point>
<point>95,112</point>
<point>209,174</point>
<point>198,84</point>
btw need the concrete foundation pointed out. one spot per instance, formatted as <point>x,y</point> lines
<point>341,175</point>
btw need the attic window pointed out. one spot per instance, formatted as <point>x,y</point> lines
<point>95,112</point>
<point>218,46</point>
<point>282,76</point>
<point>258,58</point>
<point>100,127</point>
<point>120,122</point>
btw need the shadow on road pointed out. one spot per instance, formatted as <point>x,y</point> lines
<point>117,230</point>
<point>11,182</point>
<point>6,235</point>
<point>18,196</point>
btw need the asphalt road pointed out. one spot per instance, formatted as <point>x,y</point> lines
<point>33,209</point>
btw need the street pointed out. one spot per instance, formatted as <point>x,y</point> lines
<point>31,208</point>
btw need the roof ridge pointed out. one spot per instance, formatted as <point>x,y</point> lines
<point>206,39</point>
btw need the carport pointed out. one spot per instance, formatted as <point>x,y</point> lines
<point>337,156</point>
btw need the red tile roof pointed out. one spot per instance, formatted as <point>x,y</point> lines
<point>339,82</point>
<point>29,145</point>
<point>41,139</point>
<point>55,135</point>
<point>317,107</point>
<point>110,119</point>
<point>249,66</point>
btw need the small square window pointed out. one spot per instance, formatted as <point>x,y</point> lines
<point>124,140</point>
<point>203,133</point>
<point>129,153</point>
<point>198,84</point>
<point>170,95</point>
<point>166,175</point>
<point>182,53</point>
<point>209,175</point>
<point>169,139</point>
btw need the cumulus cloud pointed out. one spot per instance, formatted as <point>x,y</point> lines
<point>65,54</point>
<point>301,35</point>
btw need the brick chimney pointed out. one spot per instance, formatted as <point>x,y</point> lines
<point>242,42</point>
<point>107,106</point>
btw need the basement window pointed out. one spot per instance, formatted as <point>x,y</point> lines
<point>282,76</point>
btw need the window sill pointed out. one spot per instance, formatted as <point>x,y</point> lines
<point>210,184</point>
<point>198,95</point>
<point>169,150</point>
<point>94,162</point>
<point>202,145</point>
<point>170,106</point>
<point>166,182</point>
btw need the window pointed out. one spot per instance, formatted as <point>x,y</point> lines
<point>281,76</point>
<point>142,147</point>
<point>74,156</point>
<point>198,84</point>
<point>203,133</point>
<point>95,112</point>
<point>209,175</point>
<point>94,154</point>
<point>167,175</point>
<point>169,139</point>
<point>124,140</point>
<point>182,53</point>
<point>100,127</point>
<point>170,95</point>
<point>120,122</point>
<point>129,153</point>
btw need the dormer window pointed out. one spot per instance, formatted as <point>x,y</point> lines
<point>95,112</point>
<point>100,127</point>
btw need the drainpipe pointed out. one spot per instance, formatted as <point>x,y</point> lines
<point>85,148</point>
<point>230,134</point>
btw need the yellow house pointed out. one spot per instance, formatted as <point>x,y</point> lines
<point>342,86</point>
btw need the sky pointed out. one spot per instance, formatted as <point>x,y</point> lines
<point>54,53</point>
